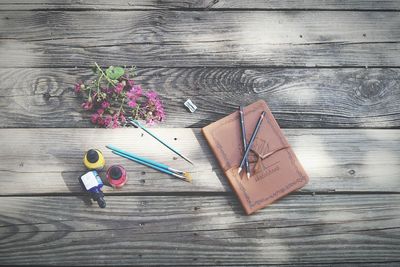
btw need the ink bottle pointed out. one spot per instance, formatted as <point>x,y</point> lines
<point>92,184</point>
<point>94,160</point>
<point>116,176</point>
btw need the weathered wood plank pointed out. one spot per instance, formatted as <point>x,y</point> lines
<point>50,160</point>
<point>298,97</point>
<point>200,4</point>
<point>199,230</point>
<point>176,38</point>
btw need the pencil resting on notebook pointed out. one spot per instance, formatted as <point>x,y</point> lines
<point>242,126</point>
<point>253,137</point>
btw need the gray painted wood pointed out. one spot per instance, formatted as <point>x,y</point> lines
<point>196,38</point>
<point>49,161</point>
<point>322,98</point>
<point>201,4</point>
<point>347,214</point>
<point>186,230</point>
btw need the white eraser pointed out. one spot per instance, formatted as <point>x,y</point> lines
<point>189,104</point>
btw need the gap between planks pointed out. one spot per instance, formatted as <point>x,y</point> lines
<point>209,5</point>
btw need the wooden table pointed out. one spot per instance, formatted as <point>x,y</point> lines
<point>329,71</point>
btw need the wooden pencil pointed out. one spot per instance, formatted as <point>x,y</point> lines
<point>242,126</point>
<point>253,137</point>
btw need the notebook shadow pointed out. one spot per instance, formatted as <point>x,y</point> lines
<point>206,150</point>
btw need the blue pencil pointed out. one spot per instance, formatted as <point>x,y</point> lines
<point>152,164</point>
<point>137,124</point>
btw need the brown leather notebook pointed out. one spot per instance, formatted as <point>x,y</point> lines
<point>275,169</point>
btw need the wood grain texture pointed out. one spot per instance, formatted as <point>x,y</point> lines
<point>195,38</point>
<point>49,161</point>
<point>298,97</point>
<point>182,230</point>
<point>200,4</point>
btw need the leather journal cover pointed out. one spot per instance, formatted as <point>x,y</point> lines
<point>275,169</point>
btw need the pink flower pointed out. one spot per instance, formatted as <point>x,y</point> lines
<point>78,87</point>
<point>87,105</point>
<point>105,104</point>
<point>107,120</point>
<point>135,92</point>
<point>118,89</point>
<point>100,121</point>
<point>131,82</point>
<point>108,91</point>
<point>152,95</point>
<point>132,103</point>
<point>115,124</point>
<point>160,113</point>
<point>109,105</point>
<point>94,118</point>
<point>150,121</point>
<point>154,109</point>
<point>122,118</point>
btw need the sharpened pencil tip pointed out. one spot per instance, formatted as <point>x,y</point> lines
<point>185,158</point>
<point>240,169</point>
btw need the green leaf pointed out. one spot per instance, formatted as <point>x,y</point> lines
<point>114,72</point>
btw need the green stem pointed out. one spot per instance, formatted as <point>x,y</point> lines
<point>122,104</point>
<point>137,112</point>
<point>98,84</point>
<point>90,92</point>
<point>103,74</point>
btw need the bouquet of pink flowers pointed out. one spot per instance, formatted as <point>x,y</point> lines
<point>114,95</point>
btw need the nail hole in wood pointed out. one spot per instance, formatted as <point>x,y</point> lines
<point>364,35</point>
<point>352,172</point>
<point>142,181</point>
<point>301,36</point>
<point>174,158</point>
<point>143,173</point>
<point>196,208</point>
<point>175,138</point>
<point>46,96</point>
